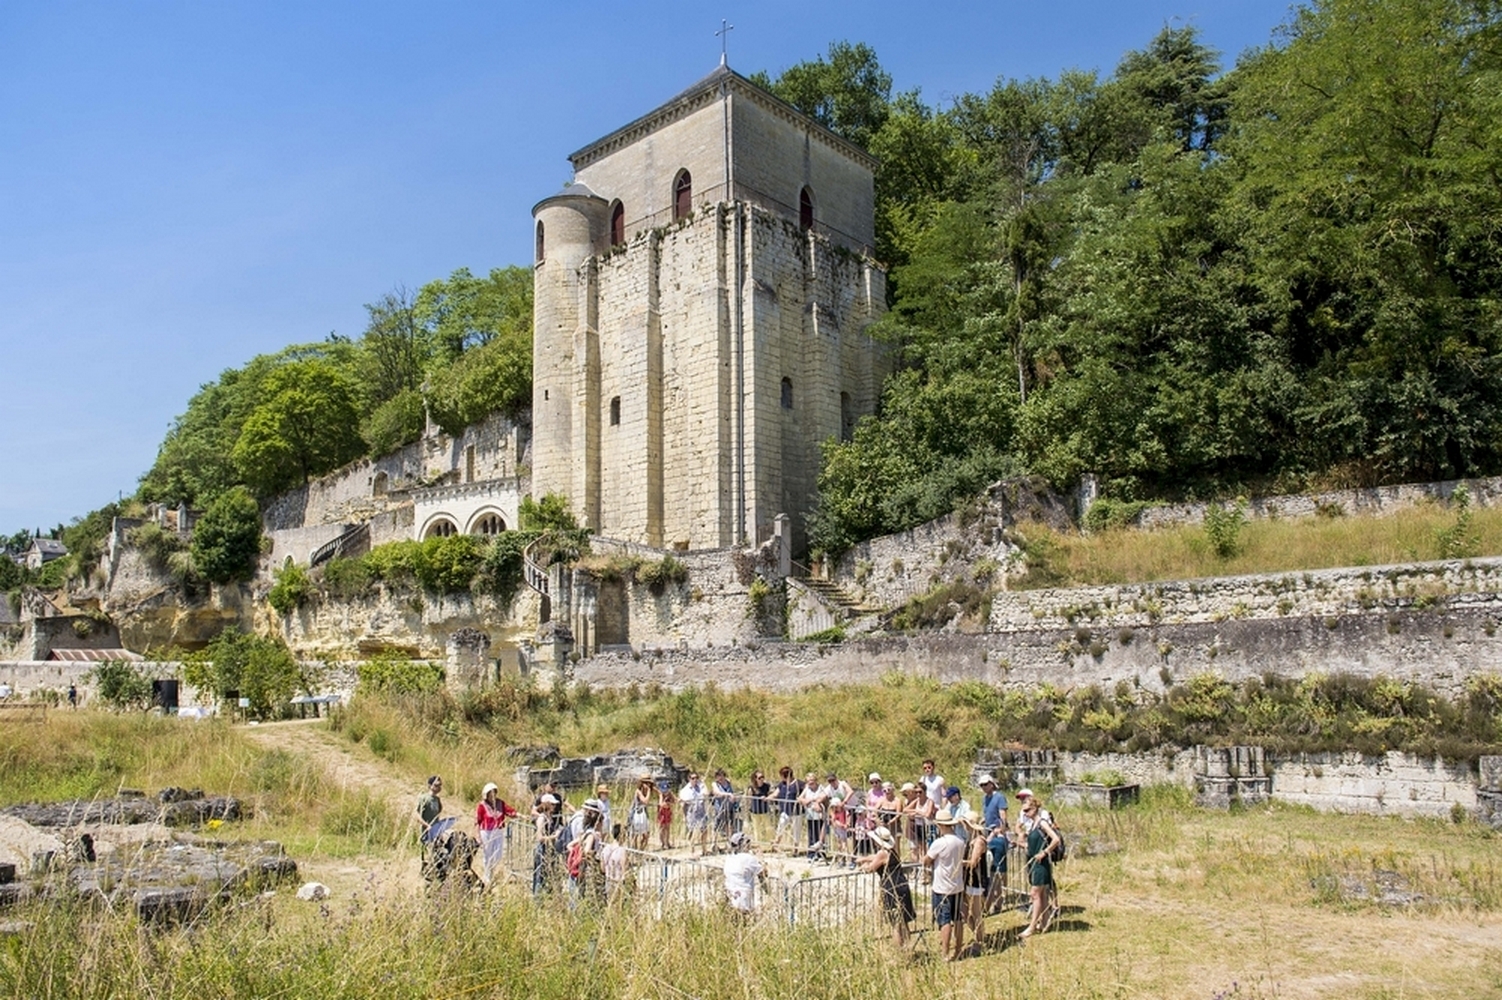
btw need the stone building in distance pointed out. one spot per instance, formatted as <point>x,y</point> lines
<point>703,289</point>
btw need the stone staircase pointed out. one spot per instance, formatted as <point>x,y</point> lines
<point>839,599</point>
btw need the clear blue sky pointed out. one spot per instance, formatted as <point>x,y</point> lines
<point>185,185</point>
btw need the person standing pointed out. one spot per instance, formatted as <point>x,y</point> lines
<point>993,810</point>
<point>430,807</point>
<point>1041,841</point>
<point>812,801</point>
<point>896,895</point>
<point>932,783</point>
<point>545,856</point>
<point>638,822</point>
<point>945,858</point>
<point>726,806</point>
<point>72,696</point>
<point>491,815</point>
<point>666,800</point>
<point>759,795</point>
<point>695,799</point>
<point>786,798</point>
<point>977,877</point>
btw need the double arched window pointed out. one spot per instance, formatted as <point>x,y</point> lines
<point>683,196</point>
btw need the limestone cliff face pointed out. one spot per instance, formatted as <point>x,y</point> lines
<point>153,613</point>
<point>404,621</point>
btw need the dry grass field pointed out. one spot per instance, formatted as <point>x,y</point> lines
<point>1262,546</point>
<point>1160,900</point>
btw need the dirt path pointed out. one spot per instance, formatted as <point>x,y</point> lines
<point>350,772</point>
<point>309,740</point>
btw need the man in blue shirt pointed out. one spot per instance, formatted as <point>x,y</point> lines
<point>994,815</point>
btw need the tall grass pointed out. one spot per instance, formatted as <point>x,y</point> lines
<point>1262,546</point>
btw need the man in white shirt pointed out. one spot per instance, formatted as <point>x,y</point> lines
<point>742,871</point>
<point>945,856</point>
<point>933,784</point>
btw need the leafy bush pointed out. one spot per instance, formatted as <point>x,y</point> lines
<point>448,565</point>
<point>155,543</point>
<point>548,514</point>
<point>395,674</point>
<point>259,669</point>
<point>1223,528</point>
<point>292,589</point>
<point>658,575</point>
<point>227,539</point>
<point>1458,540</point>
<point>397,421</point>
<point>121,685</point>
<point>500,571</point>
<point>347,578</point>
<point>1106,513</point>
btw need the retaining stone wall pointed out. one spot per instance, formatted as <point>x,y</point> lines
<point>1376,500</point>
<point>1471,583</point>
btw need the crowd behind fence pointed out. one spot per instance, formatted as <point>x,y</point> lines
<point>828,890</point>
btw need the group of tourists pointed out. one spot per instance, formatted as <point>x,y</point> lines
<point>883,829</point>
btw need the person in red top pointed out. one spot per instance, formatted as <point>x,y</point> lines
<point>490,822</point>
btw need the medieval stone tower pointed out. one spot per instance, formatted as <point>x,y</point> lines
<point>703,288</point>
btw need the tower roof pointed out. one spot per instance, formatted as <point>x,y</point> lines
<point>697,96</point>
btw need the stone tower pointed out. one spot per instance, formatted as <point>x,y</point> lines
<point>702,292</point>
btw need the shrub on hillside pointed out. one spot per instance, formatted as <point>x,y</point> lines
<point>227,539</point>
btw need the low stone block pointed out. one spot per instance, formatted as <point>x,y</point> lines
<point>1094,796</point>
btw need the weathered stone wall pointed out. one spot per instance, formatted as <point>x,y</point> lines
<point>711,608</point>
<point>890,570</point>
<point>1375,500</point>
<point>1473,583</point>
<point>299,544</point>
<point>1441,648</point>
<point>491,449</point>
<point>1393,784</point>
<point>406,621</point>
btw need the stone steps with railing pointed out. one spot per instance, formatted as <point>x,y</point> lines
<point>349,543</point>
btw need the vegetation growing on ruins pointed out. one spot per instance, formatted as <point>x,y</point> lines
<point>1429,531</point>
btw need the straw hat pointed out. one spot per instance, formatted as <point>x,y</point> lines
<point>884,837</point>
<point>945,819</point>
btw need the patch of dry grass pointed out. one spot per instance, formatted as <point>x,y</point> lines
<point>1126,555</point>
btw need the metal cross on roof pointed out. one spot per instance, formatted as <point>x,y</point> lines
<point>724,35</point>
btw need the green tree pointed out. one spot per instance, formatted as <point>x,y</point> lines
<point>121,685</point>
<point>258,669</point>
<point>394,348</point>
<point>227,538</point>
<point>494,377</point>
<point>848,93</point>
<point>305,425</point>
<point>463,312</point>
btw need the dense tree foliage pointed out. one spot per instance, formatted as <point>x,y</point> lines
<point>227,539</point>
<point>262,671</point>
<point>461,348</point>
<point>1189,282</point>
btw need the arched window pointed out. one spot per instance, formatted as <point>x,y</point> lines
<point>441,528</point>
<point>787,393</point>
<point>539,242</point>
<point>617,224</point>
<point>381,485</point>
<point>805,210</point>
<point>683,196</point>
<point>615,411</point>
<point>488,524</point>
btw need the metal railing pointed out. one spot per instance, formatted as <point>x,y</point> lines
<point>344,544</point>
<point>837,895</point>
<point>536,575</point>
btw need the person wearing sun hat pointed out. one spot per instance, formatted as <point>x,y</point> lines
<point>491,815</point>
<point>993,810</point>
<point>945,856</point>
<point>896,895</point>
<point>545,855</point>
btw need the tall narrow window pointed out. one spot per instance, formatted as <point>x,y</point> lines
<point>805,210</point>
<point>847,417</point>
<point>615,411</point>
<point>617,224</point>
<point>683,196</point>
<point>539,242</point>
<point>787,393</point>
